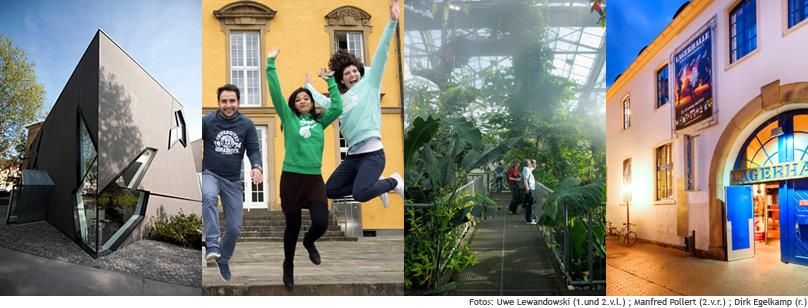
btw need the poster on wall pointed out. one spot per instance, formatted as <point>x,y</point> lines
<point>693,78</point>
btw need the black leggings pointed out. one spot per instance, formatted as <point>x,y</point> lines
<point>319,224</point>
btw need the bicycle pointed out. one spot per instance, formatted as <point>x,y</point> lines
<point>611,230</point>
<point>627,237</point>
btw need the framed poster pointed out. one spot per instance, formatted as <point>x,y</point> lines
<point>693,78</point>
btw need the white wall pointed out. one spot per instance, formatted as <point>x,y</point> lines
<point>777,57</point>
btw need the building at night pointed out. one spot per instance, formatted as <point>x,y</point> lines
<point>114,147</point>
<point>707,131</point>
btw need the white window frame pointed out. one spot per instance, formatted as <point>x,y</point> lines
<point>250,95</point>
<point>353,41</point>
<point>249,203</point>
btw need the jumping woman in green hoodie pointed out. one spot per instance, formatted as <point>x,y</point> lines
<point>301,180</point>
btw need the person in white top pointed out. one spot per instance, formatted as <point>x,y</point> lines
<point>530,190</point>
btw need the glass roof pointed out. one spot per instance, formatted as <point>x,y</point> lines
<point>445,38</point>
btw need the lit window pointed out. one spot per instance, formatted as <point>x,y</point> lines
<point>662,86</point>
<point>351,41</point>
<point>626,179</point>
<point>626,113</point>
<point>743,29</point>
<point>245,66</point>
<point>797,11</point>
<point>664,172</point>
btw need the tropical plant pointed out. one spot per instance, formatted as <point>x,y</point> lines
<point>567,208</point>
<point>434,174</point>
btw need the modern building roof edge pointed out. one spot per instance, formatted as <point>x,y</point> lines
<point>101,31</point>
<point>685,15</point>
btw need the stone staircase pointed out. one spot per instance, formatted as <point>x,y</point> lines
<point>267,226</point>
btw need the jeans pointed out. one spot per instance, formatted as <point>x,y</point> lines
<point>358,175</point>
<point>499,183</point>
<point>528,204</point>
<point>515,193</point>
<point>213,187</point>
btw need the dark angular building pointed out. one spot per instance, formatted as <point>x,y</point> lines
<point>115,147</point>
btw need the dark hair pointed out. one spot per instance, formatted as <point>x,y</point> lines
<point>341,60</point>
<point>228,87</point>
<point>313,111</point>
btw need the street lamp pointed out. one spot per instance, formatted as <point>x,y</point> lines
<point>627,191</point>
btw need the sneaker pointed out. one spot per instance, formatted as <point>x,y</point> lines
<point>213,254</point>
<point>224,271</point>
<point>532,222</point>
<point>400,186</point>
<point>384,197</point>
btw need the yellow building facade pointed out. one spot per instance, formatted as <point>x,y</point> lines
<point>236,36</point>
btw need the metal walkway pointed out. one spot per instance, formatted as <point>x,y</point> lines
<point>514,259</point>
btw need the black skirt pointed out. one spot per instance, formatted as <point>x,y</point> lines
<point>297,190</point>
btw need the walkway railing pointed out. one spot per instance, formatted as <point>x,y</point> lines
<point>580,262</point>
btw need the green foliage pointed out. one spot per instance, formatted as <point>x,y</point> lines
<point>21,96</point>
<point>180,229</point>
<point>580,200</point>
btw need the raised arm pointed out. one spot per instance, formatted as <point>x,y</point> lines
<point>321,100</point>
<point>380,56</point>
<point>335,110</point>
<point>275,86</point>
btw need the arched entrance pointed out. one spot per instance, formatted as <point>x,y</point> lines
<point>776,107</point>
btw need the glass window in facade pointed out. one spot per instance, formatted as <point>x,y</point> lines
<point>178,133</point>
<point>351,41</point>
<point>245,66</point>
<point>743,29</point>
<point>626,113</point>
<point>662,86</point>
<point>255,195</point>
<point>626,179</point>
<point>664,172</point>
<point>797,11</point>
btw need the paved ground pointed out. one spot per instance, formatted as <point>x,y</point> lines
<point>651,270</point>
<point>514,259</point>
<point>370,266</point>
<point>145,259</point>
<point>26,274</point>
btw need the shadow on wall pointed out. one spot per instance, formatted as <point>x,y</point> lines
<point>118,134</point>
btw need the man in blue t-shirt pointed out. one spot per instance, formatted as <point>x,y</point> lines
<point>227,133</point>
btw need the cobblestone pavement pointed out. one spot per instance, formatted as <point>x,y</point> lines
<point>651,270</point>
<point>146,259</point>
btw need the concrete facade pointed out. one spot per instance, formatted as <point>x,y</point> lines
<point>125,111</point>
<point>768,81</point>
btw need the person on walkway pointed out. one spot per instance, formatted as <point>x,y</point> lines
<point>530,190</point>
<point>227,135</point>
<point>360,174</point>
<point>500,173</point>
<point>302,183</point>
<point>513,179</point>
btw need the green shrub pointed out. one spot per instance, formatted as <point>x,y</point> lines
<point>180,229</point>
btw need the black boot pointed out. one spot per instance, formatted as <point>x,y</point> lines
<point>314,255</point>
<point>288,276</point>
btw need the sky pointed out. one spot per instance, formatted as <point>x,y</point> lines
<point>630,26</point>
<point>164,37</point>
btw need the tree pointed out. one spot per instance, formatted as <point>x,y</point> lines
<point>21,96</point>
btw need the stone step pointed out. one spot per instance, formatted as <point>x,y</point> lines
<point>248,239</point>
<point>327,289</point>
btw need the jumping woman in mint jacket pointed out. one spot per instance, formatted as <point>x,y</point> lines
<point>360,123</point>
<point>301,180</point>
